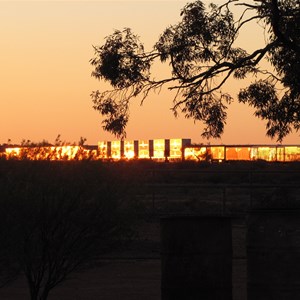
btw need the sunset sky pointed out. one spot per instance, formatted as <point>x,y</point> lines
<point>46,83</point>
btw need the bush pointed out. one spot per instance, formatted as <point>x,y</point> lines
<point>58,217</point>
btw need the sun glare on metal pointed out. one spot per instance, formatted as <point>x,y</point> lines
<point>157,150</point>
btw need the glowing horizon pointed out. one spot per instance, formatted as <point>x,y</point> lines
<point>173,150</point>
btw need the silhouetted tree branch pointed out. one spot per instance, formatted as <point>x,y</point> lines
<point>202,54</point>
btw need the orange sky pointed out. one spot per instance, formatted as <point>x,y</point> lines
<point>45,73</point>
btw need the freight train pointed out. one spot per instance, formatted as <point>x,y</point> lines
<point>158,150</point>
<point>184,149</point>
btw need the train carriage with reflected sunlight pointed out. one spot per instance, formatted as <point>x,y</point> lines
<point>143,149</point>
<point>269,153</point>
<point>130,150</point>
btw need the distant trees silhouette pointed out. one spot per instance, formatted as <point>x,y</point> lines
<point>57,218</point>
<point>202,53</point>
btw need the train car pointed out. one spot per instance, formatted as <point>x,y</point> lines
<point>270,153</point>
<point>156,149</point>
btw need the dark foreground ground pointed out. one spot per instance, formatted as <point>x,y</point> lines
<point>133,279</point>
<point>131,275</point>
<point>135,274</point>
